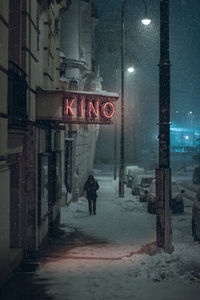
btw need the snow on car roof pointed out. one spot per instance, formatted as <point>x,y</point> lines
<point>173,182</point>
<point>142,176</point>
<point>133,170</point>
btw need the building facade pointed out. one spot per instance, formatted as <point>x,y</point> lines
<point>78,72</point>
<point>44,46</point>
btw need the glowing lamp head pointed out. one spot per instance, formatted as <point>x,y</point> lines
<point>146,21</point>
<point>187,137</point>
<point>131,70</point>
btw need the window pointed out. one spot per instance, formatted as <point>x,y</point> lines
<point>73,85</point>
<point>42,187</point>
<point>17,95</point>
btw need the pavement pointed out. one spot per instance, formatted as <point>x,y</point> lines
<point>111,255</point>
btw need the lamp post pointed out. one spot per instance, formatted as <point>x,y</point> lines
<point>121,169</point>
<point>145,20</point>
<point>163,173</point>
<point>130,70</point>
<point>115,128</point>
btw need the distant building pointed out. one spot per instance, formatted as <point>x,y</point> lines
<point>184,139</point>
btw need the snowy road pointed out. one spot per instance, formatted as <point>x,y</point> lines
<point>108,257</point>
<point>121,223</point>
<point>112,255</point>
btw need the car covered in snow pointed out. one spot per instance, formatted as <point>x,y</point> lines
<point>141,186</point>
<point>177,204</point>
<point>130,174</point>
<point>196,217</point>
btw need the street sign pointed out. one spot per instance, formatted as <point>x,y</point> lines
<point>73,107</point>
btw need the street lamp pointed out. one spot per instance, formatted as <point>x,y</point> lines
<point>146,21</point>
<point>131,69</point>
<point>121,169</point>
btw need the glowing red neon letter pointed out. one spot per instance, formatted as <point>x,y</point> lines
<point>68,107</point>
<point>92,110</point>
<point>80,107</point>
<point>107,110</point>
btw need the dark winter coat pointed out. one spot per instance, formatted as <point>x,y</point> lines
<point>91,188</point>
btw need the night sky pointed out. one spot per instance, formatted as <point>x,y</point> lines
<point>142,51</point>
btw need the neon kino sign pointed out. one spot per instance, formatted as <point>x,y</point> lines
<point>89,109</point>
<point>85,107</point>
<point>73,107</point>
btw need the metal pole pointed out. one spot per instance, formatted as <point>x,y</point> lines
<point>121,170</point>
<point>115,131</point>
<point>163,173</point>
<point>115,147</point>
<point>145,8</point>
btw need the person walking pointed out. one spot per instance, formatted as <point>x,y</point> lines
<point>91,186</point>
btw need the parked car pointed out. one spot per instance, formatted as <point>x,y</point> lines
<point>141,186</point>
<point>130,174</point>
<point>196,175</point>
<point>177,204</point>
<point>196,217</point>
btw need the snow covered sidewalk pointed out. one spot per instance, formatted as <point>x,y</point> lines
<point>122,223</point>
<point>112,255</point>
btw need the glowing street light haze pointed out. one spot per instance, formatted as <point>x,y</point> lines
<point>131,69</point>
<point>146,21</point>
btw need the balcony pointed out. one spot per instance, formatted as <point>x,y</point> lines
<point>17,96</point>
<point>67,63</point>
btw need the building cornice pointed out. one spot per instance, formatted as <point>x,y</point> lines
<point>74,63</point>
